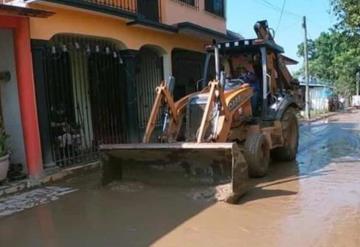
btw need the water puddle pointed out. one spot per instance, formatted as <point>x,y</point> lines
<point>17,203</point>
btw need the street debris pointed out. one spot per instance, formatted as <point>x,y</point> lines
<point>126,186</point>
<point>216,193</point>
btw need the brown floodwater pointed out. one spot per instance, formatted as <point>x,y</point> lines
<point>312,202</point>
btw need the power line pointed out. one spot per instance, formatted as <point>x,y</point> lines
<point>277,8</point>
<point>268,4</point>
<point>281,15</point>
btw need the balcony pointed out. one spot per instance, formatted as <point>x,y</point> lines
<point>136,9</point>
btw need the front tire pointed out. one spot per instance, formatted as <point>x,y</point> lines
<point>257,155</point>
<point>290,130</point>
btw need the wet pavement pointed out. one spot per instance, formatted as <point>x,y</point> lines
<point>312,202</point>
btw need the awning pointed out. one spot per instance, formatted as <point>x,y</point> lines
<point>204,33</point>
<point>148,24</point>
<point>6,9</point>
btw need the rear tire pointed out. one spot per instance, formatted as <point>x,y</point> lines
<point>290,129</point>
<point>257,155</point>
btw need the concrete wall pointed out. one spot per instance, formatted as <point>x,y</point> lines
<point>70,21</point>
<point>85,23</point>
<point>10,98</point>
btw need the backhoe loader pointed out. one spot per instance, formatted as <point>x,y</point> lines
<point>230,128</point>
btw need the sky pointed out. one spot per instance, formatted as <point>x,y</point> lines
<point>242,15</point>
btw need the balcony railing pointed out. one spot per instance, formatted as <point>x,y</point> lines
<point>125,5</point>
<point>146,9</point>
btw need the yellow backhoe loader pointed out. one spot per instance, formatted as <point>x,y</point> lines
<point>240,118</point>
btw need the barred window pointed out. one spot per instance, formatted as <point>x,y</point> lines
<point>190,2</point>
<point>216,7</point>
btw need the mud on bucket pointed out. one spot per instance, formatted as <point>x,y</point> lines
<point>177,164</point>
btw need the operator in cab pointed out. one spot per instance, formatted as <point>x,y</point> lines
<point>250,78</point>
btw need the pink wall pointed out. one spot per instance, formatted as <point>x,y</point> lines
<point>173,11</point>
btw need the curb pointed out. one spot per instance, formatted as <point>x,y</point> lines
<point>324,116</point>
<point>26,184</point>
<point>327,115</point>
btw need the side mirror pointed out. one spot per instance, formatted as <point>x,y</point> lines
<point>170,84</point>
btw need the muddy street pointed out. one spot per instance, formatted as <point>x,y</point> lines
<point>312,202</point>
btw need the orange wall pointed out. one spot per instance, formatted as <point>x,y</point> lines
<point>174,12</point>
<point>88,23</point>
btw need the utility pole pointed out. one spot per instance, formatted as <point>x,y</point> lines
<point>358,83</point>
<point>306,66</point>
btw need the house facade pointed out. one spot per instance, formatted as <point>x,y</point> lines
<point>96,64</point>
<point>18,112</point>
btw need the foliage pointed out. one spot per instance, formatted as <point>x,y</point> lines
<point>335,55</point>
<point>348,14</point>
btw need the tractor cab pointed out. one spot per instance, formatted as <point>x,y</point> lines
<point>258,63</point>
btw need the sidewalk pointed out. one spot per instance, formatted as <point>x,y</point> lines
<point>325,115</point>
<point>318,117</point>
<point>50,176</point>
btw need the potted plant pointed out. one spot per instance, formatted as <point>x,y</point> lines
<point>4,155</point>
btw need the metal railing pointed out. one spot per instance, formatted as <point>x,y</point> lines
<point>85,93</point>
<point>126,5</point>
<point>147,9</point>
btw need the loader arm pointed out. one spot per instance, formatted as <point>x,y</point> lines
<point>204,121</point>
<point>230,103</point>
<point>162,96</point>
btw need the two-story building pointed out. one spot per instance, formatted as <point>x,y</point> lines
<point>97,63</point>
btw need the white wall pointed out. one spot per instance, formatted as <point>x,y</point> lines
<point>10,99</point>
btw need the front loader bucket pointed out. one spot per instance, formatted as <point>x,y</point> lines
<point>214,163</point>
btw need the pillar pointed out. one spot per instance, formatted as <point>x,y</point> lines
<point>27,97</point>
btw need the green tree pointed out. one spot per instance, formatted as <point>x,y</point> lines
<point>348,14</point>
<point>334,57</point>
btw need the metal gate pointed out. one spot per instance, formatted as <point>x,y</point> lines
<point>85,86</point>
<point>187,68</point>
<point>148,77</point>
